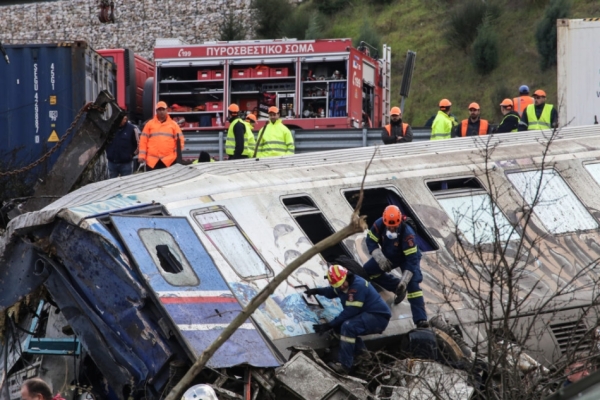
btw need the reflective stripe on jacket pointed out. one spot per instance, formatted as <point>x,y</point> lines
<point>276,140</point>
<point>388,128</point>
<point>158,142</point>
<point>545,121</point>
<point>483,127</point>
<point>520,103</point>
<point>249,141</point>
<point>442,126</point>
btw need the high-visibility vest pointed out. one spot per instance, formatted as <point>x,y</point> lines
<point>545,121</point>
<point>388,128</point>
<point>442,126</point>
<point>483,127</point>
<point>520,103</point>
<point>249,141</point>
<point>274,139</point>
<point>158,142</point>
<point>511,115</point>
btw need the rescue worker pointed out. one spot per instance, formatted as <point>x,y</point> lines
<point>274,139</point>
<point>240,140</point>
<point>520,103</point>
<point>396,131</point>
<point>474,125</point>
<point>250,121</point>
<point>364,313</point>
<point>442,125</point>
<point>158,142</point>
<point>510,121</point>
<point>539,115</point>
<point>391,243</point>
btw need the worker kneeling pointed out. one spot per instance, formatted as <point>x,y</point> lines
<point>364,313</point>
<point>391,242</point>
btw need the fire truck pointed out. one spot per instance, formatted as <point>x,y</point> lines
<point>316,84</point>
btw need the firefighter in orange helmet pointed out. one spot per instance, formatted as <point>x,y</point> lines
<point>364,313</point>
<point>442,125</point>
<point>510,122</point>
<point>158,142</point>
<point>392,244</point>
<point>396,131</point>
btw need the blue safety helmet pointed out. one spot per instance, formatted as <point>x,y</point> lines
<point>524,89</point>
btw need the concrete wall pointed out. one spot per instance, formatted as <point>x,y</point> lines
<point>138,24</point>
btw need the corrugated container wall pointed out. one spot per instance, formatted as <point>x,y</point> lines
<point>578,71</point>
<point>42,90</point>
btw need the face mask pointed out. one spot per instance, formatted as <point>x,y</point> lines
<point>391,235</point>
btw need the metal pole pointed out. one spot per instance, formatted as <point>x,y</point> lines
<point>365,133</point>
<point>220,145</point>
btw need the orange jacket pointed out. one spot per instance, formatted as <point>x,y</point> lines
<point>158,142</point>
<point>483,127</point>
<point>521,103</point>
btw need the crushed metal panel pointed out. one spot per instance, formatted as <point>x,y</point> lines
<point>310,381</point>
<point>201,309</point>
<point>429,379</point>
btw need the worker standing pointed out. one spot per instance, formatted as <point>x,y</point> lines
<point>274,139</point>
<point>391,242</point>
<point>364,312</point>
<point>158,142</point>
<point>443,123</point>
<point>520,103</point>
<point>539,115</point>
<point>396,131</point>
<point>474,125</point>
<point>510,121</point>
<point>250,122</point>
<point>240,141</point>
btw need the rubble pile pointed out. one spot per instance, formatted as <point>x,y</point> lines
<point>137,25</point>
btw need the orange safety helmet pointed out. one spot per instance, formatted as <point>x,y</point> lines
<point>395,111</point>
<point>473,105</point>
<point>336,275</point>
<point>445,103</point>
<point>273,109</point>
<point>507,103</point>
<point>539,93</point>
<point>392,216</point>
<point>251,117</point>
<point>233,108</point>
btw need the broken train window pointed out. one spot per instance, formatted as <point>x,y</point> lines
<point>168,257</point>
<point>314,225</point>
<point>555,204</point>
<point>232,243</point>
<point>468,204</point>
<point>375,200</point>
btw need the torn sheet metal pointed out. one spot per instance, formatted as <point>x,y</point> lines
<point>196,298</point>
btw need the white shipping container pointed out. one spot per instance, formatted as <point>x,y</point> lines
<point>578,71</point>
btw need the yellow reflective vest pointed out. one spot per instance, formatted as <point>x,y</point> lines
<point>442,126</point>
<point>249,141</point>
<point>274,139</point>
<point>545,121</point>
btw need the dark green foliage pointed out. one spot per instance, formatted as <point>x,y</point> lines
<point>232,26</point>
<point>485,49</point>
<point>545,35</point>
<point>500,93</point>
<point>330,7</point>
<point>380,2</point>
<point>315,26</point>
<point>296,24</point>
<point>465,19</point>
<point>369,35</point>
<point>271,17</point>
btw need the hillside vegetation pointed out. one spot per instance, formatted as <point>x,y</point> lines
<point>442,69</point>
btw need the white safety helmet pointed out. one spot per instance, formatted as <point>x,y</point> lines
<point>200,392</point>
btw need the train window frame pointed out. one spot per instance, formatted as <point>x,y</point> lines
<point>453,188</point>
<point>312,209</point>
<point>224,223</point>
<point>569,192</point>
<point>422,231</point>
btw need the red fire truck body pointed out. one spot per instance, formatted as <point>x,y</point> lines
<point>316,84</point>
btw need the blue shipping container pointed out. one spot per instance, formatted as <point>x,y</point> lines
<point>42,90</point>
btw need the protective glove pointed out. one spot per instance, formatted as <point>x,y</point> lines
<point>142,167</point>
<point>384,264</point>
<point>311,292</point>
<point>322,328</point>
<point>401,289</point>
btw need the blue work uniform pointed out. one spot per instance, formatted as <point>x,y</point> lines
<point>364,313</point>
<point>402,252</point>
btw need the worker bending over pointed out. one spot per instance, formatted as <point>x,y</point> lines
<point>391,242</point>
<point>364,313</point>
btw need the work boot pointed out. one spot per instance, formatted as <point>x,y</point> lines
<point>400,293</point>
<point>423,324</point>
<point>339,368</point>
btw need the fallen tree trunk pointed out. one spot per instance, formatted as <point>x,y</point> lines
<point>357,224</point>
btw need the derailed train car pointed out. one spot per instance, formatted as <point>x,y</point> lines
<point>149,269</point>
